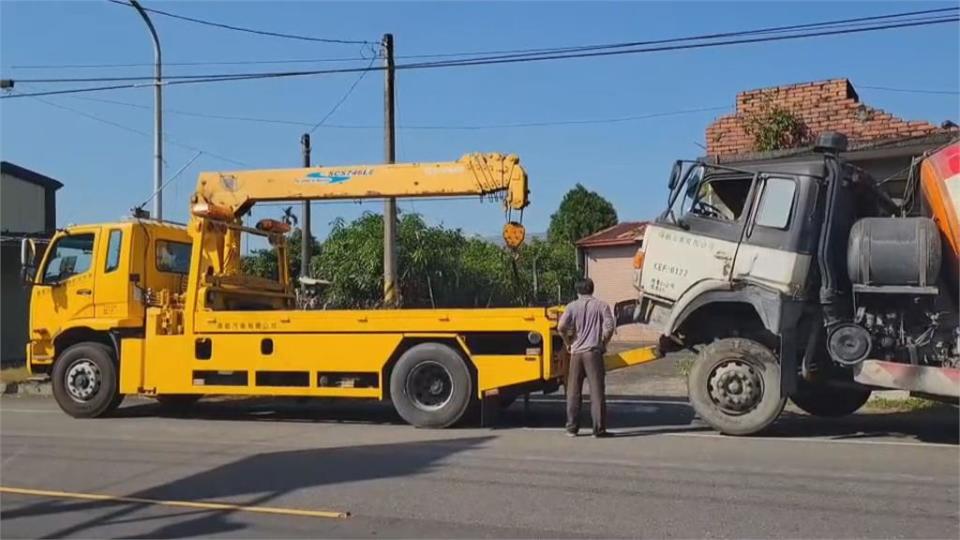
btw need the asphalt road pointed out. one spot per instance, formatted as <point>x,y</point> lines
<point>663,476</point>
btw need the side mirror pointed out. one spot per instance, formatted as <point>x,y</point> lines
<point>26,275</point>
<point>28,253</point>
<point>675,174</point>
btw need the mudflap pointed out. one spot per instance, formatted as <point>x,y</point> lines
<point>625,312</point>
<point>489,409</point>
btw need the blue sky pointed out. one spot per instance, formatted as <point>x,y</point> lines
<point>106,169</point>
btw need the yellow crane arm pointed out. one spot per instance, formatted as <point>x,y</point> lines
<point>230,194</point>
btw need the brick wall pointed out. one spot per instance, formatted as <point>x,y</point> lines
<point>611,268</point>
<point>822,106</point>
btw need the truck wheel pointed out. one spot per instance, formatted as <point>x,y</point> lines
<point>827,401</point>
<point>734,386</point>
<point>431,386</point>
<point>85,380</point>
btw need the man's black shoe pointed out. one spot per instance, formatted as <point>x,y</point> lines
<point>602,434</point>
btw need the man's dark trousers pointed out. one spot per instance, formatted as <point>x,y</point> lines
<point>587,364</point>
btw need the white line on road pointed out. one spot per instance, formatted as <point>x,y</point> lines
<point>655,429</point>
<point>810,440</point>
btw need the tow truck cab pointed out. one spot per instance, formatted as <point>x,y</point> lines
<point>90,283</point>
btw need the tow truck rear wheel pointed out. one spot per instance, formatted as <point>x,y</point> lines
<point>431,386</point>
<point>85,380</point>
<point>735,386</point>
<point>828,401</point>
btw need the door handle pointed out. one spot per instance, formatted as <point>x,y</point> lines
<point>84,292</point>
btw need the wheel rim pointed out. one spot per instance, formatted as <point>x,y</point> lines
<point>430,386</point>
<point>735,386</point>
<point>83,380</point>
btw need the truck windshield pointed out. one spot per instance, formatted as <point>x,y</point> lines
<point>714,193</point>
<point>69,256</point>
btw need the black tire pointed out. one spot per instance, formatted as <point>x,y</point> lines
<point>734,386</point>
<point>431,386</point>
<point>178,402</point>
<point>828,401</point>
<point>85,380</point>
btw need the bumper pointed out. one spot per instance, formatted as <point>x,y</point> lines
<point>927,379</point>
<point>632,357</point>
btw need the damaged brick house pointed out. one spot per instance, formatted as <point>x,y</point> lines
<point>880,142</point>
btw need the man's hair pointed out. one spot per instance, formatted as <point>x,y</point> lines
<point>584,286</point>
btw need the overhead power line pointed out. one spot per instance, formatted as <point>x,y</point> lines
<point>135,130</point>
<point>344,97</point>
<point>195,63</point>
<point>250,30</point>
<point>423,127</point>
<point>494,60</point>
<point>779,29</point>
<point>584,51</point>
<point>910,90</point>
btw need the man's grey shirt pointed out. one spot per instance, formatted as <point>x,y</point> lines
<point>590,320</point>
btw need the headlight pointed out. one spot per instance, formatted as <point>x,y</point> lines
<point>534,338</point>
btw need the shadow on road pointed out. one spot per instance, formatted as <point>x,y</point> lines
<point>255,480</point>
<point>627,416</point>
<point>935,425</point>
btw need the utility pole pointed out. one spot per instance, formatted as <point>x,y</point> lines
<point>305,215</point>
<point>391,297</point>
<point>157,115</point>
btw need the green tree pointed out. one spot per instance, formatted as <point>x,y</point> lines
<point>437,266</point>
<point>263,262</point>
<point>441,267</point>
<point>581,213</point>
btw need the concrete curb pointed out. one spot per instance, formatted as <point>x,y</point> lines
<point>30,387</point>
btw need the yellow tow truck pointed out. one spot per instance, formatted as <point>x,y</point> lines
<point>164,310</point>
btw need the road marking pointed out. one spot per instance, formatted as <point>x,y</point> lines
<point>179,504</point>
<point>809,440</point>
<point>654,431</point>
<point>30,411</point>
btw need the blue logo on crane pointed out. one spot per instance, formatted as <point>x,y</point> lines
<point>337,176</point>
<point>326,178</point>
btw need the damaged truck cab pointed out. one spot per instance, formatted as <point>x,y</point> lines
<point>781,277</point>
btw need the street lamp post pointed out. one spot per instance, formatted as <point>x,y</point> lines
<point>158,116</point>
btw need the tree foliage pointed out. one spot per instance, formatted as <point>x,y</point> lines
<point>443,267</point>
<point>775,128</point>
<point>581,213</point>
<point>263,262</point>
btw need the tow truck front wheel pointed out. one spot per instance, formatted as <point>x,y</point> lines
<point>431,386</point>
<point>85,380</point>
<point>735,386</point>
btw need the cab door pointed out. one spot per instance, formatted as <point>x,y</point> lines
<point>703,245</point>
<point>113,295</point>
<point>778,244</point>
<point>64,286</point>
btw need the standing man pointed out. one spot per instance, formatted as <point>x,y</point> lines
<point>586,327</point>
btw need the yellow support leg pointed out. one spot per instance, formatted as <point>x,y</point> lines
<point>632,357</point>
